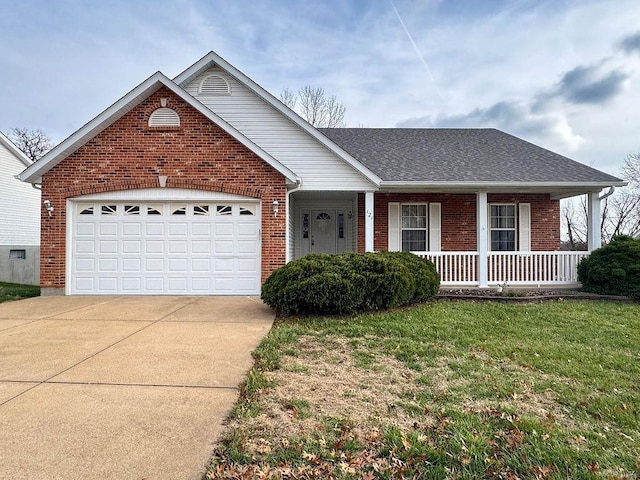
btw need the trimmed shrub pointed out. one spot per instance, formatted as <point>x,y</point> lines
<point>350,282</point>
<point>613,269</point>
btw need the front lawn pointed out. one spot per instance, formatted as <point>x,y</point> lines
<point>15,291</point>
<point>444,390</point>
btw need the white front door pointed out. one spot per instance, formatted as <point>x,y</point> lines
<point>176,247</point>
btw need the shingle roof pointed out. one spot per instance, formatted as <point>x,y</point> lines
<point>458,155</point>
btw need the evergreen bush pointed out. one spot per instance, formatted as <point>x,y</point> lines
<point>613,269</point>
<point>350,283</point>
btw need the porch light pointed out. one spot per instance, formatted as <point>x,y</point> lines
<point>275,208</point>
<point>48,207</point>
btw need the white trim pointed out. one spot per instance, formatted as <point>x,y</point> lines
<point>369,216</point>
<point>524,227</point>
<point>482,235</point>
<point>163,194</point>
<point>19,154</point>
<point>394,240</point>
<point>213,58</point>
<point>435,227</point>
<point>33,174</point>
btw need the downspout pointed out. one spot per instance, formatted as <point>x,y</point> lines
<point>609,193</point>
<point>287,229</point>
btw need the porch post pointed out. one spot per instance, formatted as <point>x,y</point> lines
<point>482,239</point>
<point>368,221</point>
<point>594,238</point>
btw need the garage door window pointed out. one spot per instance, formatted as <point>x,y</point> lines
<point>201,210</point>
<point>223,210</point>
<point>154,210</point>
<point>182,210</point>
<point>132,209</point>
<point>108,210</point>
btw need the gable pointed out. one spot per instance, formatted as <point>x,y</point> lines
<point>131,148</point>
<point>318,166</point>
<point>132,99</point>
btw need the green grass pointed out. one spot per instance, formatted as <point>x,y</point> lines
<point>14,291</point>
<point>490,390</point>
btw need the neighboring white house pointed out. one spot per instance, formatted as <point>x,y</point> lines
<point>19,219</point>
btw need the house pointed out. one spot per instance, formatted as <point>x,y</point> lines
<point>206,183</point>
<point>19,219</point>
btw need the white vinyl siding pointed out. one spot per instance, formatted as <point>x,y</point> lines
<point>19,204</point>
<point>414,227</point>
<point>280,137</point>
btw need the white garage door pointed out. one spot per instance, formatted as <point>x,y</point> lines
<point>195,248</point>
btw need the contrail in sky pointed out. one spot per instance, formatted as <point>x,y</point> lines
<point>415,47</point>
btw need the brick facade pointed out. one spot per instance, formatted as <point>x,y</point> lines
<point>130,155</point>
<point>459,218</point>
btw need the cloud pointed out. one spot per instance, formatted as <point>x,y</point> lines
<point>584,85</point>
<point>550,129</point>
<point>631,43</point>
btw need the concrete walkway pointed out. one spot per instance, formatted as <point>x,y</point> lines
<point>120,387</point>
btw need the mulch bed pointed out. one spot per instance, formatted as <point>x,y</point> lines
<point>522,295</point>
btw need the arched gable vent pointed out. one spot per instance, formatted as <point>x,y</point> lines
<point>164,117</point>
<point>214,85</point>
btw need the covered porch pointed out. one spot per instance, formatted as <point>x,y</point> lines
<point>457,232</point>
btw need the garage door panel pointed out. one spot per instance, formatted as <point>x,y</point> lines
<point>131,264</point>
<point>85,229</point>
<point>107,265</point>
<point>107,246</point>
<point>154,246</point>
<point>200,246</point>
<point>131,284</point>
<point>200,265</point>
<point>85,246</point>
<point>132,229</point>
<point>177,246</point>
<point>108,229</point>
<point>108,284</point>
<point>178,229</point>
<point>131,246</point>
<point>85,264</point>
<point>154,229</point>
<point>201,229</point>
<point>154,264</point>
<point>165,248</point>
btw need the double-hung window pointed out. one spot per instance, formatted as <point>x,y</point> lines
<point>502,225</point>
<point>414,227</point>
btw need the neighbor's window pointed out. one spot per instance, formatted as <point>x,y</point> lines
<point>502,224</point>
<point>414,228</point>
<point>18,254</point>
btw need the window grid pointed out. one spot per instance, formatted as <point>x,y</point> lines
<point>502,225</point>
<point>414,226</point>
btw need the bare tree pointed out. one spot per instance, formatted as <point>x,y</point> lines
<point>33,143</point>
<point>315,106</point>
<point>631,171</point>
<point>289,98</point>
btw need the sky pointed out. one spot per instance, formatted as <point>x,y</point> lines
<point>563,74</point>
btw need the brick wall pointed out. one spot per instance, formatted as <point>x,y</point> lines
<point>130,155</point>
<point>459,218</point>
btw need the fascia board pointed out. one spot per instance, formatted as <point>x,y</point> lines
<point>213,58</point>
<point>385,185</point>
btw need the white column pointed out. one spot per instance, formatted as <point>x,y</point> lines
<point>368,221</point>
<point>594,236</point>
<point>482,239</point>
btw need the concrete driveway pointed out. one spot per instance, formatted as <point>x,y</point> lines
<point>120,387</point>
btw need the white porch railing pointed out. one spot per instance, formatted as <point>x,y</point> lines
<point>512,268</point>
